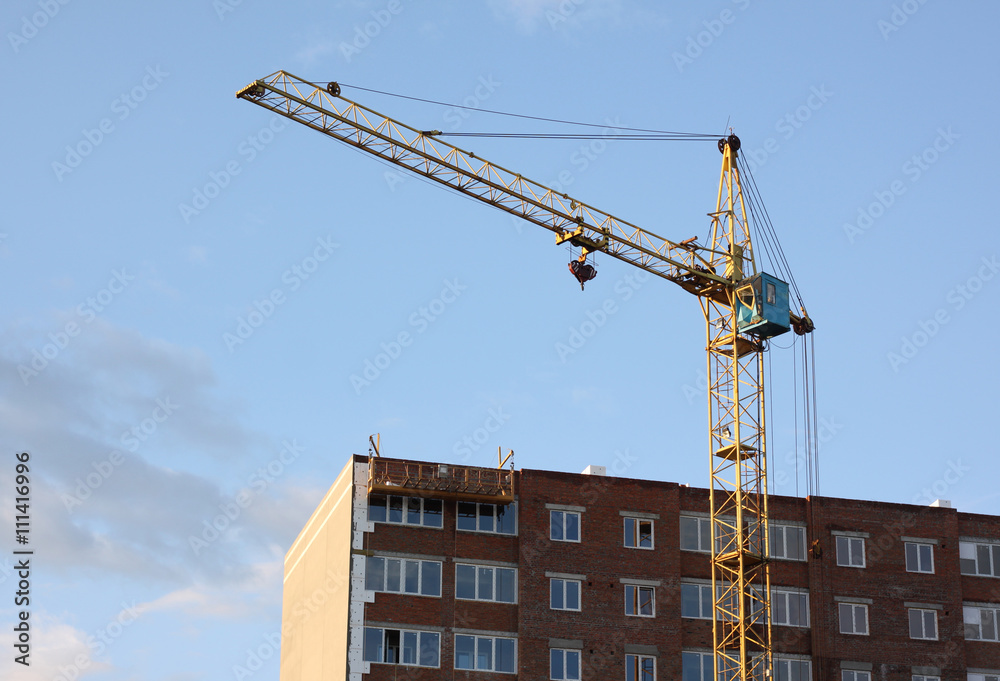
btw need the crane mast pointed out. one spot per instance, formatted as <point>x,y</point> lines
<point>742,308</point>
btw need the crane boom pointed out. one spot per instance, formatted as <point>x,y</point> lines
<point>742,309</point>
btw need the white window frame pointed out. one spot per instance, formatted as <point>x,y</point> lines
<point>983,677</point>
<point>555,514</point>
<point>977,612</point>
<point>704,597</point>
<point>492,642</point>
<point>636,534</point>
<point>853,618</point>
<point>406,503</point>
<point>783,530</point>
<point>777,594</point>
<point>977,548</point>
<point>917,565</point>
<point>634,664</point>
<point>565,654</point>
<point>847,551</point>
<point>924,677</point>
<point>508,508</point>
<point>855,675</point>
<point>563,586</point>
<point>633,598</point>
<point>787,662</point>
<point>403,563</point>
<point>402,632</point>
<point>703,673</point>
<point>479,574</point>
<point>922,615</point>
<point>704,526</point>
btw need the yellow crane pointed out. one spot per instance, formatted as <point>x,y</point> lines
<point>743,308</point>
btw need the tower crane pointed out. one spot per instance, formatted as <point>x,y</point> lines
<point>743,308</point>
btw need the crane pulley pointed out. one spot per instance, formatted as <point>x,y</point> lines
<point>743,308</point>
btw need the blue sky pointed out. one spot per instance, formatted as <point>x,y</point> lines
<point>868,127</point>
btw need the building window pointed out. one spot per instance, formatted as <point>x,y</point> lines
<point>486,653</point>
<point>697,666</point>
<point>495,518</point>
<point>854,619</point>
<point>638,533</point>
<point>564,664</point>
<point>789,608</point>
<point>564,594</point>
<point>850,551</point>
<point>788,542</point>
<point>852,675</point>
<point>979,559</point>
<point>640,668</point>
<point>403,576</point>
<point>696,534</point>
<point>398,646</point>
<point>923,624</point>
<point>981,623</point>
<point>564,526</point>
<point>480,583</point>
<point>405,510</point>
<point>640,601</point>
<point>919,557</point>
<point>696,601</point>
<point>983,677</point>
<point>787,669</point>
<point>921,677</point>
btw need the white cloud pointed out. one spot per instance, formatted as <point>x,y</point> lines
<point>57,649</point>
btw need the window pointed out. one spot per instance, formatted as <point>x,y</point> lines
<point>564,664</point>
<point>788,542</point>
<point>403,576</point>
<point>697,666</point>
<point>638,533</point>
<point>979,559</point>
<point>564,526</point>
<point>923,624</point>
<point>854,619</point>
<point>696,534</point>
<point>850,551</point>
<point>640,668</point>
<point>786,669</point>
<point>921,677</point>
<point>396,646</point>
<point>493,518</point>
<point>696,601</point>
<point>981,623</point>
<point>640,600</point>
<point>486,653</point>
<point>789,608</point>
<point>919,557</point>
<point>852,675</point>
<point>405,510</point>
<point>480,583</point>
<point>564,594</point>
<point>981,677</point>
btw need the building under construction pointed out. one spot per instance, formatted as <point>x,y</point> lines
<point>419,570</point>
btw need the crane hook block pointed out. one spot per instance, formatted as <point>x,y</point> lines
<point>731,141</point>
<point>582,271</point>
<point>333,88</point>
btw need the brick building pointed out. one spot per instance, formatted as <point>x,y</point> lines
<point>412,570</point>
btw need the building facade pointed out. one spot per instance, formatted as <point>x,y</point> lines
<point>416,570</point>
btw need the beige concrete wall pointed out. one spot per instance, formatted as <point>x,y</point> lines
<point>314,616</point>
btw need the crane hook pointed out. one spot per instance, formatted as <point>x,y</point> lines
<point>582,271</point>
